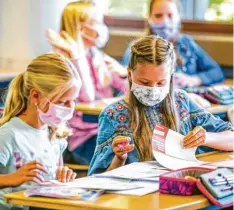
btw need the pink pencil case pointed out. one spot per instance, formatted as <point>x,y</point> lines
<point>174,182</point>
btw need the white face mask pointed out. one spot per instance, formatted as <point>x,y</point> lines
<point>103,35</point>
<point>149,96</point>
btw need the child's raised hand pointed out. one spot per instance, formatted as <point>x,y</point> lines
<point>195,138</point>
<point>29,172</point>
<point>65,174</point>
<point>63,43</point>
<point>121,147</point>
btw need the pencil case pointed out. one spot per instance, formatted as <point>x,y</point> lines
<point>178,182</point>
<point>219,195</point>
<point>220,94</point>
<point>195,180</point>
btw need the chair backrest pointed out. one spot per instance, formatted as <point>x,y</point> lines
<point>230,115</point>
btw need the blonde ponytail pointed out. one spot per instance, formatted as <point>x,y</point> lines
<point>16,102</point>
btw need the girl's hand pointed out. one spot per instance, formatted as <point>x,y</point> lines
<point>196,137</point>
<point>121,147</point>
<point>65,174</point>
<point>29,172</point>
<point>63,43</point>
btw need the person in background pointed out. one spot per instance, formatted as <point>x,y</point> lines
<point>194,66</point>
<point>102,76</point>
<point>32,133</point>
<point>126,126</point>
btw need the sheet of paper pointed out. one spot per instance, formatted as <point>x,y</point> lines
<point>138,170</point>
<point>169,142</point>
<point>103,183</point>
<point>176,163</point>
<point>147,188</point>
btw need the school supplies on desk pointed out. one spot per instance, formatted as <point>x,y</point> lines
<point>96,183</point>
<point>144,171</point>
<point>143,174</point>
<point>55,192</point>
<point>220,94</point>
<point>216,185</point>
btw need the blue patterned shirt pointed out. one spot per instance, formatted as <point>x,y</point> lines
<point>114,121</point>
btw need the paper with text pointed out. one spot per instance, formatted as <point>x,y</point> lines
<point>168,150</point>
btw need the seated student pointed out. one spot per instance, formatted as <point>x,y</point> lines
<point>40,100</point>
<point>194,66</point>
<point>100,74</point>
<point>152,100</point>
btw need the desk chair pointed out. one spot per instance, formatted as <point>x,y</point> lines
<point>230,115</point>
<point>81,170</point>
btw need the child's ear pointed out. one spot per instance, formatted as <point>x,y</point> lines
<point>34,96</point>
<point>129,74</point>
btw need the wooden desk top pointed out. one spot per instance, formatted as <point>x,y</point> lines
<point>120,202</point>
<point>94,108</point>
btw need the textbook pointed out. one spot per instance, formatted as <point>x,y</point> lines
<point>168,150</point>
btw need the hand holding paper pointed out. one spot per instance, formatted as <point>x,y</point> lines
<point>195,138</point>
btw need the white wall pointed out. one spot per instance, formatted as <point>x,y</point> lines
<point>22,29</point>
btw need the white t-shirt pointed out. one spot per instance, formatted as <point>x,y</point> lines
<point>19,144</point>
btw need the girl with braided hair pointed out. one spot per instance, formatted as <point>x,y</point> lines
<point>126,126</point>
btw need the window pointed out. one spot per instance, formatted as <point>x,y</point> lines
<point>204,10</point>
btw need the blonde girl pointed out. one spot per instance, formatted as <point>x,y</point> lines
<point>40,100</point>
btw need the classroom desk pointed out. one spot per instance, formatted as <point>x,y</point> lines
<point>94,108</point>
<point>152,201</point>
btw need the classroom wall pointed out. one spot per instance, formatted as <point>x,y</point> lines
<point>22,29</point>
<point>218,46</point>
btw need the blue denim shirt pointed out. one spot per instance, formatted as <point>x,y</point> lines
<point>196,61</point>
<point>114,121</point>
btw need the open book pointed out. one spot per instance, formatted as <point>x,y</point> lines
<point>168,150</point>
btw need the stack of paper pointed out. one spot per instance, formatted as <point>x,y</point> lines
<point>143,174</point>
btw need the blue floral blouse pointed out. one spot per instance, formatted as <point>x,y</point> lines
<point>114,121</point>
<point>196,61</point>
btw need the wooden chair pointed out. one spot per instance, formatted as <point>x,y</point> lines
<point>77,167</point>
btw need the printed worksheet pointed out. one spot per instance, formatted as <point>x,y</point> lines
<point>168,150</point>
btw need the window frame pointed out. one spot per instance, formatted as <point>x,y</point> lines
<point>187,25</point>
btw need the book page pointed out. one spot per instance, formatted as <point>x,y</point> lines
<point>138,170</point>
<point>174,163</point>
<point>169,142</point>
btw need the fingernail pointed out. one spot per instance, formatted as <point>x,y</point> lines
<point>64,180</point>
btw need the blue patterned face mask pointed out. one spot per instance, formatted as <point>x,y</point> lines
<point>164,30</point>
<point>149,96</point>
